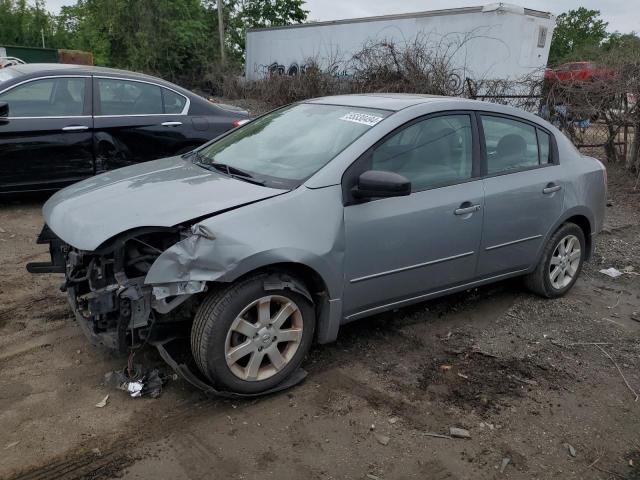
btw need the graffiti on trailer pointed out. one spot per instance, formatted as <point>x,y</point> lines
<point>294,69</point>
<point>454,80</point>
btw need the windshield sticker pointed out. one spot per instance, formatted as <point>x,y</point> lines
<point>363,118</point>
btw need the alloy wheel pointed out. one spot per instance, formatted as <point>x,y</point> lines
<point>263,338</point>
<point>565,262</point>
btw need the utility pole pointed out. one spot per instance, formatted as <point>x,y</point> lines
<point>221,31</point>
<point>37,5</point>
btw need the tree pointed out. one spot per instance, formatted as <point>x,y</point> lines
<point>25,24</point>
<point>246,14</point>
<point>174,39</point>
<point>576,31</point>
<point>621,42</point>
<point>171,38</point>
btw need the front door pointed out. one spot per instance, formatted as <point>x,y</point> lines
<point>403,248</point>
<point>524,194</point>
<point>46,140</point>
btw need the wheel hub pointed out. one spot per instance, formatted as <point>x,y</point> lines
<point>264,338</point>
<point>565,262</point>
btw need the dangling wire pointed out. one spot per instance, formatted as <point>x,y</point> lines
<point>135,350</point>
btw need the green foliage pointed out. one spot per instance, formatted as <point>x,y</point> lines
<point>172,38</point>
<point>578,32</point>
<point>175,39</point>
<point>623,42</point>
<point>247,14</point>
<point>24,23</point>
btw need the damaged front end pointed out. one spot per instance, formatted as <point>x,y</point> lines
<point>106,288</point>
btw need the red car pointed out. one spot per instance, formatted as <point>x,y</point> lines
<point>577,71</point>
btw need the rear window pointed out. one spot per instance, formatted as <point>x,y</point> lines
<point>544,146</point>
<point>511,145</point>
<point>128,97</point>
<point>172,101</point>
<point>7,74</point>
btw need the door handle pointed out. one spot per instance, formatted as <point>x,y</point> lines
<point>551,188</point>
<point>75,128</point>
<point>171,124</point>
<point>464,210</point>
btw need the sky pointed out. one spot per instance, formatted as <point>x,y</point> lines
<point>622,15</point>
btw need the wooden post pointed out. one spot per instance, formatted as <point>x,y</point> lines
<point>221,31</point>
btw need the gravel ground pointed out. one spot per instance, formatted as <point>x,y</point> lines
<point>520,373</point>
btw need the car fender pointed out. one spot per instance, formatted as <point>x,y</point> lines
<point>302,227</point>
<point>566,215</point>
<point>201,259</point>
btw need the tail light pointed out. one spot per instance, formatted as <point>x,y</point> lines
<point>239,123</point>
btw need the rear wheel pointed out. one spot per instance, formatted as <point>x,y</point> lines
<point>247,339</point>
<point>560,264</point>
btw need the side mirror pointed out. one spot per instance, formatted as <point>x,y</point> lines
<point>381,184</point>
<point>4,109</point>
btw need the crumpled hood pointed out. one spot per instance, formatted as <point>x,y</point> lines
<point>161,193</point>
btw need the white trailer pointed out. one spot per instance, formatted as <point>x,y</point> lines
<point>497,41</point>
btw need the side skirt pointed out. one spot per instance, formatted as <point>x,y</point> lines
<point>430,295</point>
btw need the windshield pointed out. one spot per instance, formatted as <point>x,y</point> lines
<point>287,146</point>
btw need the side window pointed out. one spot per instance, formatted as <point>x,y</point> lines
<point>544,144</point>
<point>173,103</point>
<point>124,97</point>
<point>511,145</point>
<point>49,97</point>
<point>432,152</point>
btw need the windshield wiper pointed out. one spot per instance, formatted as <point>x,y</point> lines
<point>229,170</point>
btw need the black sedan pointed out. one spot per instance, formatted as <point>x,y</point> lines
<point>62,123</point>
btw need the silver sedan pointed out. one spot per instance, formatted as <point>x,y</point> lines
<point>317,214</point>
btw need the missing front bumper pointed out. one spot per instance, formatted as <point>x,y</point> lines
<point>57,249</point>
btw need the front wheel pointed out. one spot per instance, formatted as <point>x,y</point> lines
<point>247,339</point>
<point>560,263</point>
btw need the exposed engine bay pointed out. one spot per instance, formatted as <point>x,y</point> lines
<point>116,309</point>
<point>107,292</point>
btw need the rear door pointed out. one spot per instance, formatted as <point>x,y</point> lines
<point>136,121</point>
<point>524,193</point>
<point>46,141</point>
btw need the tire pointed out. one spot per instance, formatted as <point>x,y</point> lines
<point>541,281</point>
<point>216,336</point>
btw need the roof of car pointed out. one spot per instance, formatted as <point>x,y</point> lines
<point>384,101</point>
<point>399,101</point>
<point>31,69</point>
<point>18,73</point>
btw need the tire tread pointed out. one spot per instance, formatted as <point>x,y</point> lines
<point>212,307</point>
<point>212,321</point>
<point>536,281</point>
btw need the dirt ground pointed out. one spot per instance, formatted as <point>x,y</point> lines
<point>518,372</point>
